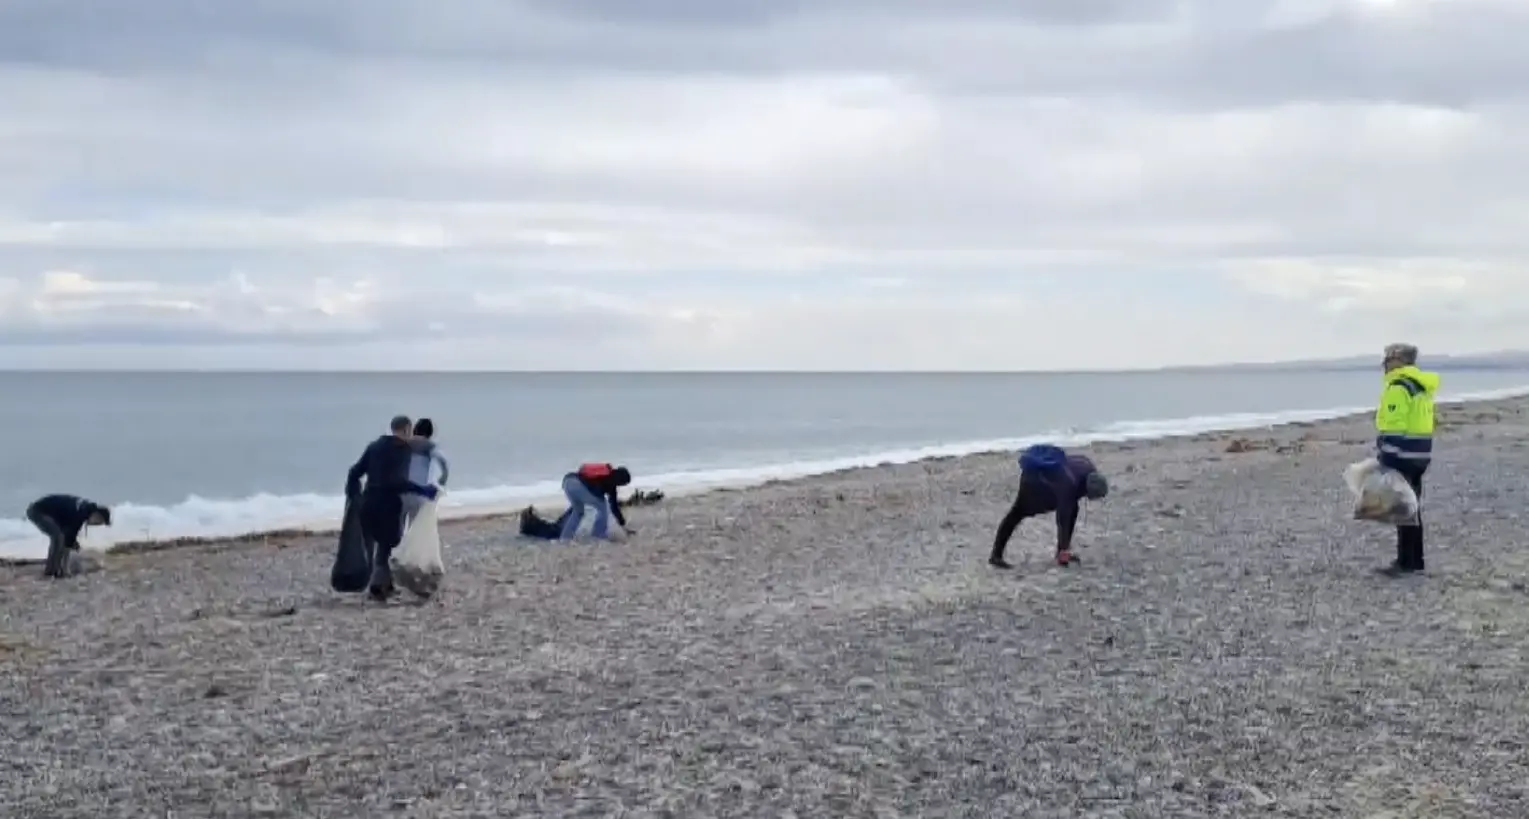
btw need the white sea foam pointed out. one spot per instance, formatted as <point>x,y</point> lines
<point>205,517</point>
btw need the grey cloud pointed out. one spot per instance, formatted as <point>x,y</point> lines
<point>755,12</point>
<point>161,32</point>
<point>152,335</point>
<point>282,103</point>
<point>1464,53</point>
<point>404,330</point>
<point>83,31</point>
<point>182,265</point>
<point>416,313</point>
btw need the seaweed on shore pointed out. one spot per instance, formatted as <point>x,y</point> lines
<point>640,497</point>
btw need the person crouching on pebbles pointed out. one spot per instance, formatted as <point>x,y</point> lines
<point>594,485</point>
<point>62,518</point>
<point>1050,481</point>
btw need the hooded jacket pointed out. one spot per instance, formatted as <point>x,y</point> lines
<point>425,452</point>
<point>1063,492</point>
<point>1404,419</point>
<point>69,512</point>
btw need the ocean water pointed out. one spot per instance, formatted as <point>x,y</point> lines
<point>187,454</point>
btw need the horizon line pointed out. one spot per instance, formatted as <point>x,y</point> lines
<point>1500,358</point>
<point>1348,362</point>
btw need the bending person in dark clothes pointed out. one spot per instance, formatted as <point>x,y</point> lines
<point>1059,490</point>
<point>62,518</point>
<point>384,465</point>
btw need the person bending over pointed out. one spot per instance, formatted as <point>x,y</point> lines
<point>426,454</point>
<point>1058,487</point>
<point>384,466</point>
<point>594,485</point>
<point>62,518</point>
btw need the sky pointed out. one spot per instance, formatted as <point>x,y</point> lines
<point>699,184</point>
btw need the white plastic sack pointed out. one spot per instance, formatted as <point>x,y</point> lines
<point>1380,494</point>
<point>416,563</point>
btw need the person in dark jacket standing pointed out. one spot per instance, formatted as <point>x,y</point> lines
<point>1060,489</point>
<point>594,485</point>
<point>384,465</point>
<point>62,518</point>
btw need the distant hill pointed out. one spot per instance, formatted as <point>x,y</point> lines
<point>1505,360</point>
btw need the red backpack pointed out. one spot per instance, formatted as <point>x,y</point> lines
<point>595,472</point>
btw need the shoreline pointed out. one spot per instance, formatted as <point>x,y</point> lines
<point>473,518</point>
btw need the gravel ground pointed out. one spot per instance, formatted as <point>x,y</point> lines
<point>826,648</point>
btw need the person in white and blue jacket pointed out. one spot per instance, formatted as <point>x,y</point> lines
<point>426,455</point>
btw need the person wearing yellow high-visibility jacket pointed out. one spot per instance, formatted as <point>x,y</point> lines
<point>1404,440</point>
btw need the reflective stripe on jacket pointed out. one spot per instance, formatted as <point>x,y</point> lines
<point>1405,418</point>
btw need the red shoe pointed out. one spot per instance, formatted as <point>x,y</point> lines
<point>1065,558</point>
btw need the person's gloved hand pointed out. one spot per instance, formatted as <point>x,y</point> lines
<point>427,492</point>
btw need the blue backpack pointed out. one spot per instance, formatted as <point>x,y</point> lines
<point>1042,458</point>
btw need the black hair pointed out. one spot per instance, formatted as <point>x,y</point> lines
<point>621,476</point>
<point>424,428</point>
<point>400,423</point>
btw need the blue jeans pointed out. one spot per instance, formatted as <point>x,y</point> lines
<point>579,496</point>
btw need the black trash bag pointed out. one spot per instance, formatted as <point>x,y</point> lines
<point>352,561</point>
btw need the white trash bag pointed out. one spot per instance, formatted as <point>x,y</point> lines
<point>416,563</point>
<point>1381,495</point>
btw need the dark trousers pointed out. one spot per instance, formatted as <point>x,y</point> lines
<point>1409,539</point>
<point>382,526</point>
<point>1035,497</point>
<point>534,525</point>
<point>57,564</point>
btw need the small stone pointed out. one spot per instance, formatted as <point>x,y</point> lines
<point>1260,799</point>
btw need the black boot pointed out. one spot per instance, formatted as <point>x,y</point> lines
<point>1403,563</point>
<point>381,587</point>
<point>1415,549</point>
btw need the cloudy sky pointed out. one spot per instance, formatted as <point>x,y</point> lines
<point>969,184</point>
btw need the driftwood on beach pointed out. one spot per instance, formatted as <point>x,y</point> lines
<point>826,647</point>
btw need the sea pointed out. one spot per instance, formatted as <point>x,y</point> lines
<point>213,454</point>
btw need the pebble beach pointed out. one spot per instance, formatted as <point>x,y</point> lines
<point>828,647</point>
